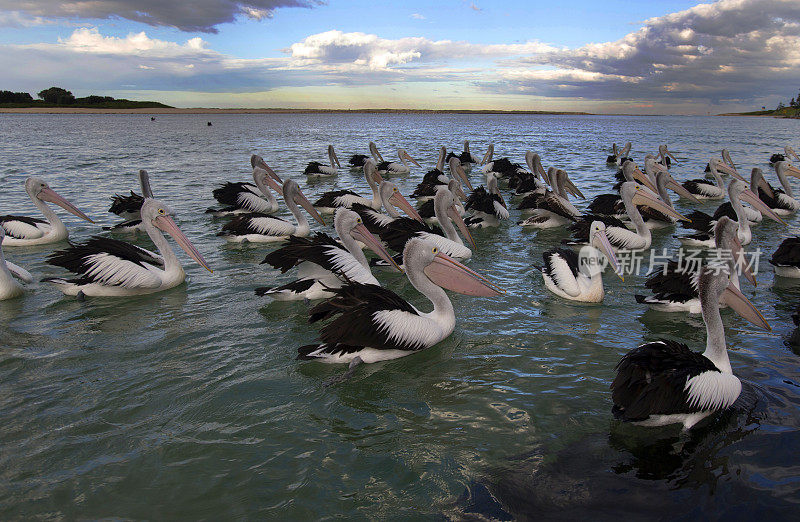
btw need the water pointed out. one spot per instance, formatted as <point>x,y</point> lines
<point>190,403</point>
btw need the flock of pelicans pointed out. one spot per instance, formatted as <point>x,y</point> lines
<point>658,383</point>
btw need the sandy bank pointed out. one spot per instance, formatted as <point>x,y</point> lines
<point>74,110</point>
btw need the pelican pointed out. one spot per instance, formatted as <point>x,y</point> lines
<point>703,188</point>
<point>113,268</point>
<point>664,382</point>
<point>664,180</point>
<point>526,183</point>
<point>357,160</point>
<point>611,204</point>
<point>330,201</point>
<point>426,189</point>
<point>466,157</point>
<point>565,274</point>
<point>27,231</point>
<point>704,224</point>
<point>9,287</point>
<point>127,207</point>
<point>240,198</point>
<point>427,210</point>
<point>757,183</point>
<point>397,233</point>
<point>324,264</point>
<point>786,258</point>
<point>788,154</point>
<point>500,168</point>
<point>664,156</point>
<point>726,157</point>
<point>315,169</point>
<point>487,205</point>
<point>619,236</point>
<point>783,201</point>
<point>372,324</point>
<point>393,168</point>
<point>674,286</point>
<point>391,197</point>
<point>619,156</point>
<point>553,208</point>
<point>261,228</point>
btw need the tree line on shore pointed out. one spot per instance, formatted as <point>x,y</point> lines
<point>58,97</point>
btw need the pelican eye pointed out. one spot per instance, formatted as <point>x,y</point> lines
<point>161,212</point>
<point>358,221</point>
<point>435,250</point>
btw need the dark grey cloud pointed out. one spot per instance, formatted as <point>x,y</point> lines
<point>186,15</point>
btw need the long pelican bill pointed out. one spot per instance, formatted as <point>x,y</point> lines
<point>399,201</point>
<point>762,183</point>
<point>680,189</point>
<point>408,157</point>
<point>488,154</point>
<point>572,189</point>
<point>737,253</point>
<point>334,157</point>
<point>272,183</point>
<point>166,224</point>
<point>750,197</point>
<point>455,166</point>
<point>373,149</point>
<point>144,184</point>
<point>258,161</point>
<point>608,251</point>
<point>19,272</point>
<point>453,214</point>
<point>360,233</point>
<point>51,196</point>
<point>306,204</point>
<point>645,197</point>
<point>642,178</point>
<point>741,305</point>
<point>792,171</point>
<point>723,167</point>
<point>448,273</point>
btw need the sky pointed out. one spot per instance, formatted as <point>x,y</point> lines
<point>615,56</point>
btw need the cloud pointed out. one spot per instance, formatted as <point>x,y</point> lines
<point>18,19</point>
<point>417,16</point>
<point>731,50</point>
<point>192,15</point>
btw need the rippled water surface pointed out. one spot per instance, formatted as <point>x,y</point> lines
<point>190,403</point>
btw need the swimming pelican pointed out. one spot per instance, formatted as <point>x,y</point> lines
<point>526,183</point>
<point>703,188</point>
<point>328,202</point>
<point>324,264</point>
<point>391,197</point>
<point>664,156</point>
<point>611,204</point>
<point>9,287</point>
<point>372,324</point>
<point>427,210</point>
<point>674,286</point>
<point>397,233</point>
<point>27,231</point>
<point>619,156</point>
<point>241,198</point>
<point>786,258</point>
<point>552,209</point>
<point>757,183</point>
<point>487,205</point>
<point>782,201</point>
<point>565,274</point>
<point>133,206</point>
<point>315,169</point>
<point>788,154</point>
<point>619,236</point>
<point>113,268</point>
<point>466,157</point>
<point>426,188</point>
<point>664,382</point>
<point>393,168</point>
<point>261,228</point>
<point>704,224</point>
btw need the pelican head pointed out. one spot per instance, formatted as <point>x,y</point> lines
<point>457,170</point>
<point>422,257</point>
<point>787,169</point>
<point>757,181</point>
<point>719,165</point>
<point>632,172</point>
<point>405,156</point>
<point>263,180</point>
<point>258,161</point>
<point>454,186</point>
<point>392,195</point>
<point>333,157</point>
<point>291,191</point>
<point>715,284</point>
<point>599,240</point>
<point>158,214</point>
<point>738,189</point>
<point>347,222</point>
<point>446,201</point>
<point>639,195</point>
<point>36,188</point>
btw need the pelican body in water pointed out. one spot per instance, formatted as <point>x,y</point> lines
<point>27,231</point>
<point>782,201</point>
<point>619,156</point>
<point>371,324</point>
<point>9,287</point>
<point>329,201</point>
<point>466,157</point>
<point>786,258</point>
<point>315,169</point>
<point>487,205</point>
<point>261,228</point>
<point>241,198</point>
<point>113,268</point>
<point>324,264</point>
<point>579,278</point>
<point>705,189</point>
<point>664,382</point>
<point>394,168</point>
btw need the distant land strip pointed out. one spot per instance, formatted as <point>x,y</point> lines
<point>200,110</point>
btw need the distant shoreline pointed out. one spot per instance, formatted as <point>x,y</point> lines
<point>76,110</point>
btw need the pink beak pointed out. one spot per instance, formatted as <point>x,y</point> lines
<point>166,224</point>
<point>448,273</point>
<point>453,214</point>
<point>50,195</point>
<point>360,233</point>
<point>401,202</point>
